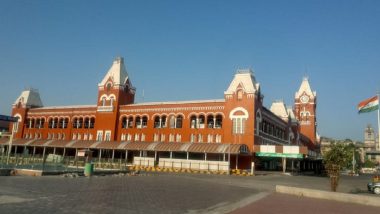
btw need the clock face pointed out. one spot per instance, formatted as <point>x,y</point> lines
<point>304,99</point>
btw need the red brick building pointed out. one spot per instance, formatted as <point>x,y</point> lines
<point>238,125</point>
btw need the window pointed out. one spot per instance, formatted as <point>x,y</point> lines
<point>162,137</point>
<point>137,137</point>
<point>157,122</point>
<point>103,101</point>
<point>179,120</point>
<point>99,136</point>
<point>171,138</point>
<point>50,123</point>
<point>240,94</point>
<point>138,122</point>
<point>124,123</point>
<point>218,121</point>
<point>155,137</point>
<point>107,136</point>
<point>210,121</point>
<point>178,138</point>
<point>238,125</point>
<point>163,121</point>
<point>192,138</point>
<point>200,138</point>
<point>108,86</point>
<point>144,121</point>
<point>122,137</point>
<point>130,122</point>
<point>201,122</point>
<point>111,101</point>
<point>210,138</point>
<point>193,122</point>
<point>218,138</point>
<point>143,137</point>
<point>129,137</point>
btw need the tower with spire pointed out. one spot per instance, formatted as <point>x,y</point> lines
<point>305,109</point>
<point>114,90</point>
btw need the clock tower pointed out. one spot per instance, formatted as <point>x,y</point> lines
<point>305,110</point>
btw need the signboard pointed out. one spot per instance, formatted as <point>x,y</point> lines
<point>8,118</point>
<point>280,155</point>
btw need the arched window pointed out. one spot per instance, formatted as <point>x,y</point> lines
<point>50,123</point>
<point>179,122</point>
<point>75,123</point>
<point>201,122</point>
<point>163,121</point>
<point>157,123</point>
<point>103,101</point>
<point>210,122</point>
<point>238,116</point>
<point>138,122</point>
<point>218,121</point>
<point>124,123</point>
<point>86,122</point>
<point>144,121</point>
<point>55,123</point>
<point>65,122</point>
<point>193,122</point>
<point>108,86</point>
<point>130,122</point>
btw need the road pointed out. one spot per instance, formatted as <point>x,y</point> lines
<point>165,193</point>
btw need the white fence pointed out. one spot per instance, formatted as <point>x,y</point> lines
<point>143,161</point>
<point>193,164</point>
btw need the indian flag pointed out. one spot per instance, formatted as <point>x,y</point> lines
<point>369,105</point>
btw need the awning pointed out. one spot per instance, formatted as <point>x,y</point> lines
<point>215,148</point>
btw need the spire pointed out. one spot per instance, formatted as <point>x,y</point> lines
<point>305,87</point>
<point>117,73</point>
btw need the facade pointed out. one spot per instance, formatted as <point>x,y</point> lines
<point>116,122</point>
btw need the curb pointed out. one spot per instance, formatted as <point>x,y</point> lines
<point>334,196</point>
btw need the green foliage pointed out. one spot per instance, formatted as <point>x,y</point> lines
<point>369,164</point>
<point>340,154</point>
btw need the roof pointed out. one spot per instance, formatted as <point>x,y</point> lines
<point>305,87</point>
<point>178,102</point>
<point>291,115</point>
<point>279,109</point>
<point>215,148</point>
<point>29,98</point>
<point>243,78</point>
<point>117,72</point>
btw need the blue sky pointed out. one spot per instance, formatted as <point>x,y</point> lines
<point>190,50</point>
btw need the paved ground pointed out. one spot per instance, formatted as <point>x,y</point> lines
<point>156,193</point>
<point>288,204</point>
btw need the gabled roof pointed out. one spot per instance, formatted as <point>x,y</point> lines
<point>243,78</point>
<point>291,115</point>
<point>29,98</point>
<point>278,108</point>
<point>305,87</point>
<point>117,72</point>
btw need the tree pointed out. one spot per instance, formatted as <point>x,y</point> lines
<point>338,157</point>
